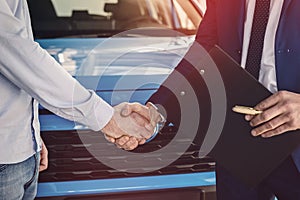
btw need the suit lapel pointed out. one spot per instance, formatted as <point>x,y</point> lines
<point>281,26</point>
<point>235,9</point>
<point>286,4</point>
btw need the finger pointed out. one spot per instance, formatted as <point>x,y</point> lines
<point>145,133</point>
<point>126,110</point>
<point>150,127</point>
<point>131,144</point>
<point>140,120</point>
<point>43,165</point>
<point>113,128</point>
<point>266,116</point>
<point>142,141</point>
<point>249,117</point>
<point>270,125</point>
<point>140,109</point>
<point>141,114</point>
<point>122,140</point>
<point>43,158</point>
<point>109,139</point>
<point>277,131</point>
<point>270,101</point>
<point>126,126</point>
<point>143,129</point>
<point>150,104</point>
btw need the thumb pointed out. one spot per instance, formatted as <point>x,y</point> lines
<point>126,111</point>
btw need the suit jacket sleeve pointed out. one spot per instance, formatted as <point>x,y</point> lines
<point>207,32</point>
<point>207,37</point>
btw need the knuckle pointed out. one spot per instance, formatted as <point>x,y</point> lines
<point>260,130</point>
<point>276,131</point>
<point>269,126</point>
<point>264,116</point>
<point>130,143</point>
<point>280,130</point>
<point>286,94</point>
<point>289,106</point>
<point>281,93</point>
<point>293,124</point>
<point>133,140</point>
<point>121,141</point>
<point>290,117</point>
<point>134,105</point>
<point>286,118</point>
<point>261,105</point>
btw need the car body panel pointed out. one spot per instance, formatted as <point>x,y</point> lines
<point>121,185</point>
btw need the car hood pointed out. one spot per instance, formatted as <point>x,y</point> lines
<point>119,56</point>
<point>119,69</point>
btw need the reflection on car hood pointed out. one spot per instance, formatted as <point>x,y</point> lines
<point>118,56</point>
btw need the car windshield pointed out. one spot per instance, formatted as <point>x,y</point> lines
<point>103,18</point>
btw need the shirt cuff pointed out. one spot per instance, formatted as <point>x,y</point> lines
<point>102,113</point>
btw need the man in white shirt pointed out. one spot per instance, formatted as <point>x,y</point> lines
<point>28,74</point>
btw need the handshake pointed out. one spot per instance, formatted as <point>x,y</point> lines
<point>132,124</point>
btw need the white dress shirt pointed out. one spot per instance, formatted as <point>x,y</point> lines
<point>267,74</point>
<point>28,72</point>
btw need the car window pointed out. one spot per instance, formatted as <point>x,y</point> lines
<point>102,18</point>
<point>188,17</point>
<point>65,8</point>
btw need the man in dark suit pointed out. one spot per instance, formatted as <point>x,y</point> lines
<point>234,26</point>
<point>264,37</point>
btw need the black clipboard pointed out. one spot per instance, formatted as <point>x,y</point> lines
<point>250,159</point>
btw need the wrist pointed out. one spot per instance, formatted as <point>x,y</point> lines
<point>158,128</point>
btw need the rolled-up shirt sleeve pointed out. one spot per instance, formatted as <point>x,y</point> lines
<point>32,69</point>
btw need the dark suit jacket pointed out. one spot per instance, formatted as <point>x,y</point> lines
<point>223,25</point>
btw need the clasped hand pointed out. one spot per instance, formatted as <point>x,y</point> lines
<point>132,124</point>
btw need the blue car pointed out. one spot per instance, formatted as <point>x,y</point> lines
<point>124,50</point>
